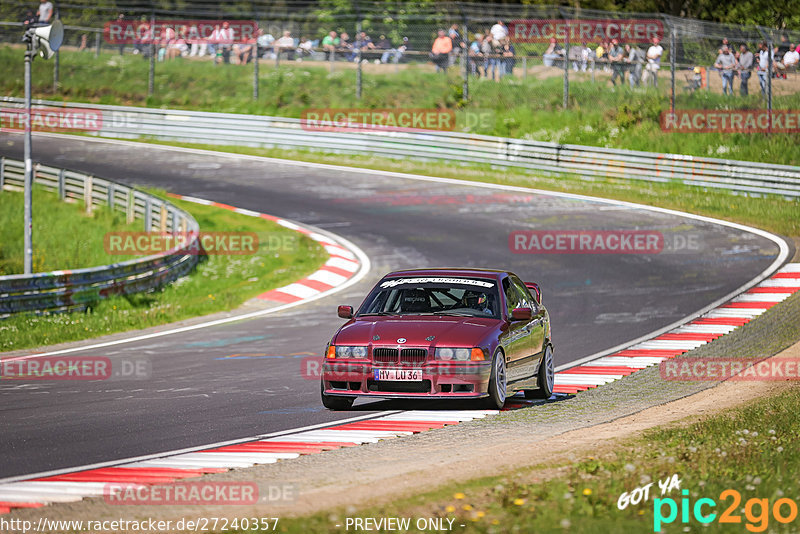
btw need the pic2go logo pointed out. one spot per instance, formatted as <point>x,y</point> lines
<point>756,511</point>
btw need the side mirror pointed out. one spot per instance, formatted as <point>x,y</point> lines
<point>345,312</point>
<point>535,291</point>
<point>521,314</point>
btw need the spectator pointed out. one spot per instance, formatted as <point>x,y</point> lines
<point>601,54</point>
<point>726,64</point>
<point>29,20</point>
<point>167,37</point>
<point>121,21</point>
<point>385,45</point>
<point>476,55</point>
<point>784,45</point>
<point>345,45</point>
<point>777,64</point>
<point>244,51</point>
<point>284,44</point>
<point>304,49</point>
<point>440,51</point>
<point>508,60</point>
<point>489,61</point>
<point>402,49</point>
<point>745,68</point>
<point>45,12</point>
<point>330,43</point>
<point>85,43</point>
<point>763,66</point>
<point>141,45</point>
<point>791,58</point>
<point>264,43</point>
<point>458,43</point>
<point>361,44</point>
<point>198,47</point>
<point>586,55</point>
<point>575,56</point>
<point>223,41</point>
<point>554,51</point>
<point>654,54</point>
<point>499,32</point>
<point>616,56</point>
<point>635,59</point>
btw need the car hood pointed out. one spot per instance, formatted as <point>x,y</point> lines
<point>447,331</point>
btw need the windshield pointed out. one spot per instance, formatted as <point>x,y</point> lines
<point>469,297</point>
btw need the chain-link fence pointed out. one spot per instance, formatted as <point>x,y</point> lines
<point>542,58</point>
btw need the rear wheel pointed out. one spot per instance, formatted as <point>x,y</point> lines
<point>545,379</point>
<point>498,381</point>
<point>332,402</point>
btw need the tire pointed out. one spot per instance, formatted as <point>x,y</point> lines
<point>498,382</point>
<point>545,380</point>
<point>332,402</point>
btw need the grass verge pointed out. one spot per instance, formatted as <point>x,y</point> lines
<point>220,283</point>
<point>749,450</point>
<point>55,225</point>
<point>529,108</point>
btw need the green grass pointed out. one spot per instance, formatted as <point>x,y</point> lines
<point>769,213</point>
<point>751,450</point>
<point>220,283</point>
<point>598,115</point>
<point>55,225</point>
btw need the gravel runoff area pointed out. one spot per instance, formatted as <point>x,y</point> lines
<point>552,431</point>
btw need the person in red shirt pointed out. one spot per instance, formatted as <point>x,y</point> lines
<point>440,51</point>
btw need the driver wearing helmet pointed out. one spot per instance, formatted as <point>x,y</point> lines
<point>476,300</point>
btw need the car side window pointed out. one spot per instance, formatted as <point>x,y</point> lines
<point>513,298</point>
<point>527,301</point>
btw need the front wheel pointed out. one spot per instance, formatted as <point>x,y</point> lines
<point>545,378</point>
<point>332,402</point>
<point>497,381</point>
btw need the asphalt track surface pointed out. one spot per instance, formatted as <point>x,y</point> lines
<point>244,378</point>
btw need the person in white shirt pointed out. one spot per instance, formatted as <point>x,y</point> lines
<point>791,58</point>
<point>499,31</point>
<point>45,12</point>
<point>763,65</point>
<point>654,54</point>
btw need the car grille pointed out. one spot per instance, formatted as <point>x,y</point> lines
<point>403,356</point>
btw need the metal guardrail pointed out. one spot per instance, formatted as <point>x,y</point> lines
<point>76,289</point>
<point>592,162</point>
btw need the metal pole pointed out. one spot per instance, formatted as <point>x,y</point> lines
<point>55,72</point>
<point>358,59</point>
<point>151,80</point>
<point>769,84</point>
<point>332,57</point>
<point>97,45</point>
<point>672,67</point>
<point>255,72</point>
<point>566,66</point>
<point>28,231</point>
<point>465,55</point>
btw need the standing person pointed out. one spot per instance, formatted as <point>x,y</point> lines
<point>476,55</point>
<point>745,67</point>
<point>440,51</point>
<point>508,58</point>
<point>616,56</point>
<point>726,64</point>
<point>763,66</point>
<point>45,12</point>
<point>29,20</point>
<point>654,54</point>
<point>635,60</point>
<point>121,21</point>
<point>487,50</point>
<point>499,31</point>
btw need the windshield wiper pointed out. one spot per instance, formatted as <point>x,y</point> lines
<point>379,313</point>
<point>456,314</point>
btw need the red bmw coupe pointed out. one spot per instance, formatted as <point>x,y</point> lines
<point>442,333</point>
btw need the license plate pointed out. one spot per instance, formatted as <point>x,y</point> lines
<point>399,375</point>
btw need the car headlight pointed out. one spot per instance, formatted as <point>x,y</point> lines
<point>448,354</point>
<point>350,352</point>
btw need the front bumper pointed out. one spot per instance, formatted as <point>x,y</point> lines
<point>353,378</point>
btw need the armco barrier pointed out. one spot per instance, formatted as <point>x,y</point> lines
<point>76,289</point>
<point>260,131</point>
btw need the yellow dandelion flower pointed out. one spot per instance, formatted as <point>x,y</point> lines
<point>587,491</point>
<point>467,507</point>
<point>519,502</point>
<point>495,521</point>
<point>480,514</point>
<point>450,509</point>
<point>459,495</point>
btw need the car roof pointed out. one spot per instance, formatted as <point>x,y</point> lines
<point>494,274</point>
